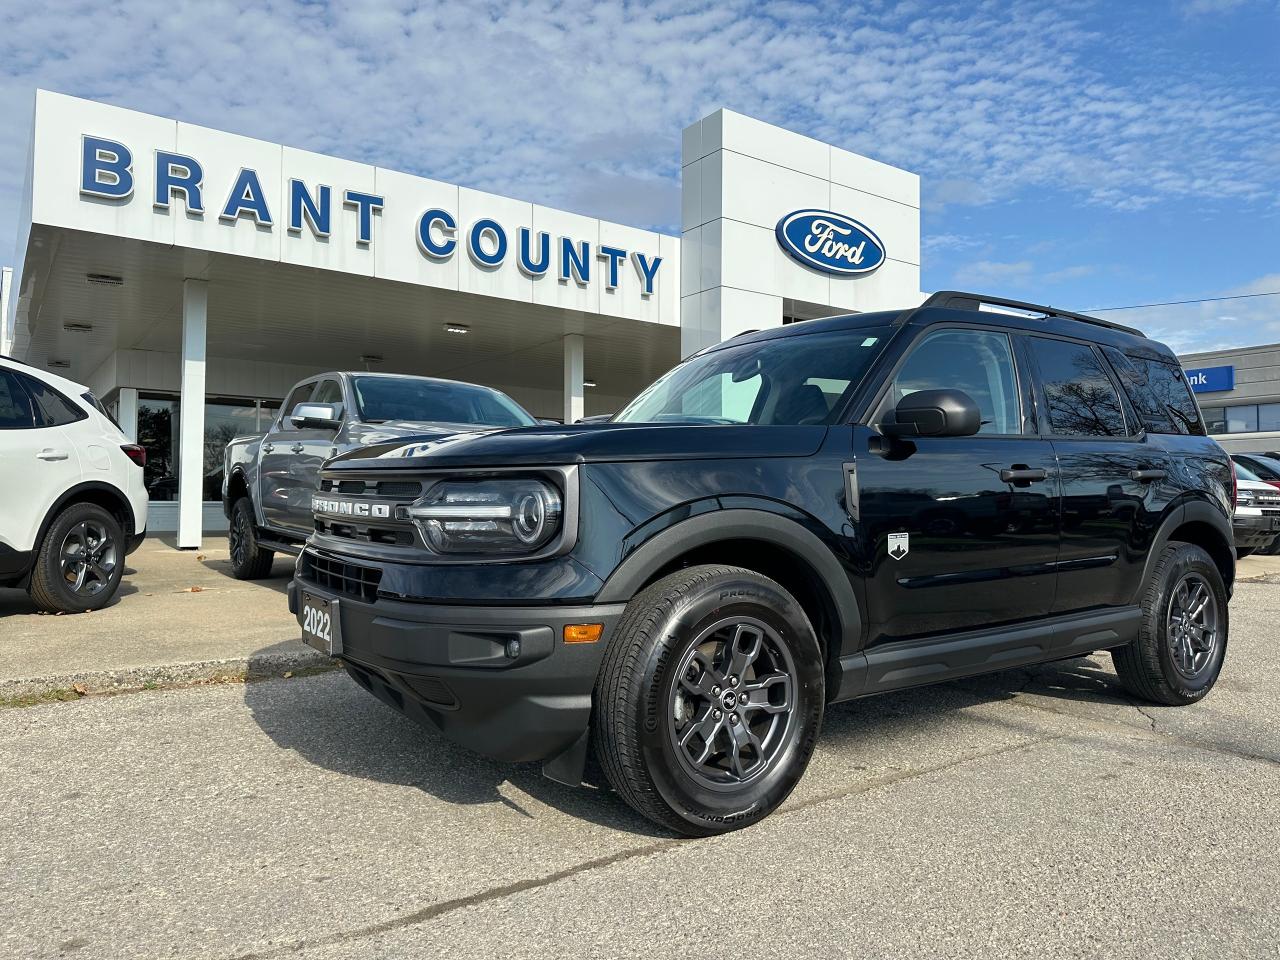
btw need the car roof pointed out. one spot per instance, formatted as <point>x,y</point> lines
<point>959,307</point>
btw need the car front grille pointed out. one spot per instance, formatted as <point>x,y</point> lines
<point>340,576</point>
<point>372,488</point>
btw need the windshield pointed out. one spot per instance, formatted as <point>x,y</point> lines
<point>790,380</point>
<point>379,399</point>
<point>1244,473</point>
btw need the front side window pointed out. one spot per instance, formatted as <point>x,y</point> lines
<point>802,379</point>
<point>329,391</point>
<point>383,399</point>
<point>977,362</point>
<point>16,410</point>
<point>1081,398</point>
<point>301,394</point>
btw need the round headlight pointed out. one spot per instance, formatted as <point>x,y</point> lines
<point>529,517</point>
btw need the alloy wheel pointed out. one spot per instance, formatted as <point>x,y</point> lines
<point>88,558</point>
<point>239,538</point>
<point>732,706</point>
<point>1191,625</point>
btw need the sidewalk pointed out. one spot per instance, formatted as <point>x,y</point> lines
<point>179,616</point>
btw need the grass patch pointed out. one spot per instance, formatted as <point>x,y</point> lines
<point>39,697</point>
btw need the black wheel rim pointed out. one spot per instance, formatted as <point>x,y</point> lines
<point>732,706</point>
<point>1191,625</point>
<point>88,558</point>
<point>239,538</point>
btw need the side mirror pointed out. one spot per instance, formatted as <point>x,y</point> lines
<point>316,416</point>
<point>596,418</point>
<point>934,413</point>
<point>548,422</point>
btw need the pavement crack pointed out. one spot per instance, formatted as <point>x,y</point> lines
<point>647,850</point>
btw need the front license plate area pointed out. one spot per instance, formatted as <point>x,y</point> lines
<point>321,623</point>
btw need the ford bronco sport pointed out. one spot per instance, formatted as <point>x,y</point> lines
<point>789,519</point>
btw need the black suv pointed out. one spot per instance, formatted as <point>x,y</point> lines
<point>789,519</point>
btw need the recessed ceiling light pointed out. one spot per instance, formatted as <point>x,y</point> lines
<point>588,383</point>
<point>456,328</point>
<point>58,364</point>
<point>108,279</point>
<point>73,327</point>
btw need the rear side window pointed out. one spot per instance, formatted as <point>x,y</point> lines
<point>1159,393</point>
<point>51,409</point>
<point>1081,398</point>
<point>16,411</point>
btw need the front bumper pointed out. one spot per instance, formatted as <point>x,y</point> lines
<point>449,668</point>
<point>1252,532</point>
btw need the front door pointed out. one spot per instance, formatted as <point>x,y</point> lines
<point>281,480</point>
<point>957,532</point>
<point>316,446</point>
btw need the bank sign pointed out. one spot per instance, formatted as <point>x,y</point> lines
<point>106,172</point>
<point>1211,379</point>
<point>830,242</point>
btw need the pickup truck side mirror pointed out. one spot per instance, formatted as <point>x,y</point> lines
<point>934,413</point>
<point>316,416</point>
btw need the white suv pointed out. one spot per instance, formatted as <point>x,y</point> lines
<point>72,500</point>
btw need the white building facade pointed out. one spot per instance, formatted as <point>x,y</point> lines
<point>190,276</point>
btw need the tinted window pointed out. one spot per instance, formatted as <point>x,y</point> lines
<point>380,399</point>
<point>1158,391</point>
<point>16,412</point>
<point>799,379</point>
<point>329,391</point>
<point>94,402</point>
<point>52,409</point>
<point>1081,399</point>
<point>978,362</point>
<point>301,394</point>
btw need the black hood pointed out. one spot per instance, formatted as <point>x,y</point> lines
<point>588,443</point>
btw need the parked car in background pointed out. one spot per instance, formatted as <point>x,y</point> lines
<point>72,500</point>
<point>791,518</point>
<point>1256,522</point>
<point>269,481</point>
<point>1264,466</point>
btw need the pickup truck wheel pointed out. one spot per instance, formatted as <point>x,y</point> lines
<point>248,560</point>
<point>709,700</point>
<point>1183,638</point>
<point>80,562</point>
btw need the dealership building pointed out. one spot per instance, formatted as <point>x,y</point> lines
<point>1239,394</point>
<point>190,276</point>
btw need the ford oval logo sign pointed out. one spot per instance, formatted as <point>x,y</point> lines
<point>830,242</point>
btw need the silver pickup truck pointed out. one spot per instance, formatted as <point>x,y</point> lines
<point>268,481</point>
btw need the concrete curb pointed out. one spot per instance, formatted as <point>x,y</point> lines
<point>254,667</point>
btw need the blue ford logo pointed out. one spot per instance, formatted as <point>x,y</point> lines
<point>830,242</point>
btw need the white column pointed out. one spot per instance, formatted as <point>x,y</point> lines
<point>195,317</point>
<point>127,412</point>
<point>574,405</point>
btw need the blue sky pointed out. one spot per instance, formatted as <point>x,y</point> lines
<point>1088,154</point>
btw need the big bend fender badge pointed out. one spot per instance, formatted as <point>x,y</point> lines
<point>899,545</point>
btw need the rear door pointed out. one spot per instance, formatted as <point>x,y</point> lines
<point>281,480</point>
<point>1115,477</point>
<point>38,458</point>
<point>959,532</point>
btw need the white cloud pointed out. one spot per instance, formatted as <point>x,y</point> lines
<point>581,106</point>
<point>1215,324</point>
<point>989,273</point>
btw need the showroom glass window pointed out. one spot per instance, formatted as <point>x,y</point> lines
<point>1081,398</point>
<point>224,419</point>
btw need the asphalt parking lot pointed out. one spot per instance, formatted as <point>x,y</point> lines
<point>1032,813</point>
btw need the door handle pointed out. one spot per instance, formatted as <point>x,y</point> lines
<point>48,453</point>
<point>268,447</point>
<point>296,448</point>
<point>1146,476</point>
<point>1022,474</point>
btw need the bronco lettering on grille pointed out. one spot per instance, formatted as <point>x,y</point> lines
<point>350,508</point>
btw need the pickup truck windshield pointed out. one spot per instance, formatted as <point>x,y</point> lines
<point>380,399</point>
<point>791,380</point>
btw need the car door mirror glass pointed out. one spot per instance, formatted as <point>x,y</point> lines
<point>934,413</point>
<point>316,416</point>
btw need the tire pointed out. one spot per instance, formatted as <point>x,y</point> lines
<point>1245,552</point>
<point>80,561</point>
<point>248,560</point>
<point>668,678</point>
<point>1170,663</point>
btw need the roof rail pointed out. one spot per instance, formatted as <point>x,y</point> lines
<point>959,300</point>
